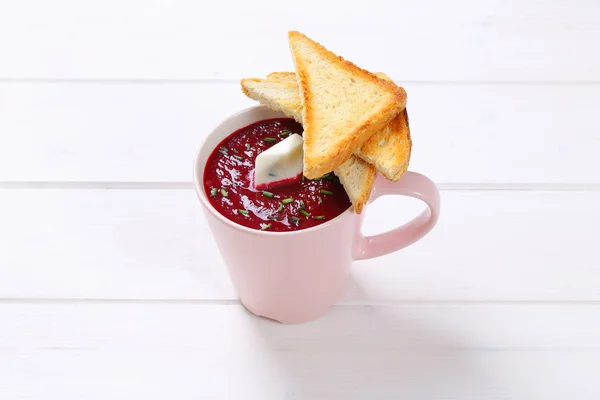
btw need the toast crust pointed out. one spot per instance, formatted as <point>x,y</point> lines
<point>358,178</point>
<point>284,98</point>
<point>282,77</point>
<point>390,149</point>
<point>350,140</point>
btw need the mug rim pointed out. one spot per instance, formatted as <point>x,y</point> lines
<point>199,184</point>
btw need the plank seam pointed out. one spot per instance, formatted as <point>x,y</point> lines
<point>341,304</point>
<point>228,80</point>
<point>180,185</point>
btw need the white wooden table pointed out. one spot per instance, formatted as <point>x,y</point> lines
<point>111,286</point>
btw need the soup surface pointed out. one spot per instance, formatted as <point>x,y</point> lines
<point>228,182</point>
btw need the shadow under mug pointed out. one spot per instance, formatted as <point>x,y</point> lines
<point>294,277</point>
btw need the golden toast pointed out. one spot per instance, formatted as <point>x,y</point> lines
<point>343,105</point>
<point>389,150</point>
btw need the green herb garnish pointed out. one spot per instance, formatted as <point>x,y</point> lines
<point>326,192</point>
<point>273,217</point>
<point>268,194</point>
<point>285,132</point>
<point>332,178</point>
<point>235,151</point>
<point>319,217</point>
<point>329,176</point>
<point>304,212</point>
<point>295,220</point>
<point>224,192</point>
<point>213,192</point>
<point>270,140</point>
<point>238,157</point>
<point>223,151</point>
<point>264,227</point>
<point>247,146</point>
<point>243,212</point>
<point>287,201</point>
<point>280,209</point>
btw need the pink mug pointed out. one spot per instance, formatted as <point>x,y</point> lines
<point>294,277</point>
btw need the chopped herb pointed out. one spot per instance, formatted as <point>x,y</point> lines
<point>264,227</point>
<point>224,192</point>
<point>304,212</point>
<point>280,209</point>
<point>268,194</point>
<point>285,132</point>
<point>326,192</point>
<point>235,151</point>
<point>273,217</point>
<point>234,184</point>
<point>238,157</point>
<point>243,212</point>
<point>270,140</point>
<point>331,177</point>
<point>223,150</point>
<point>295,220</point>
<point>247,146</point>
<point>302,177</point>
<point>213,192</point>
<point>319,217</point>
<point>301,204</point>
<point>287,201</point>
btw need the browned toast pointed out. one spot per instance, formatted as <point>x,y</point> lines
<point>343,105</point>
<point>389,150</point>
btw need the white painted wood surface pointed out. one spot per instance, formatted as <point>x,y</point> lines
<point>461,133</point>
<point>468,40</point>
<point>196,350</point>
<point>110,284</point>
<point>488,246</point>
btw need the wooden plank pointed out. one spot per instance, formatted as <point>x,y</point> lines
<point>150,132</point>
<point>156,351</point>
<point>465,40</point>
<point>155,244</point>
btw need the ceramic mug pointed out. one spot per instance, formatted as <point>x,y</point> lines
<point>296,276</point>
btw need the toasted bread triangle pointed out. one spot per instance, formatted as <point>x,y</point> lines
<point>389,150</point>
<point>342,105</point>
<point>357,178</point>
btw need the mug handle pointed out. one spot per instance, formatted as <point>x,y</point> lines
<point>411,184</point>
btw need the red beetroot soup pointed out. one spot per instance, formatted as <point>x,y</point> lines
<point>299,205</point>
